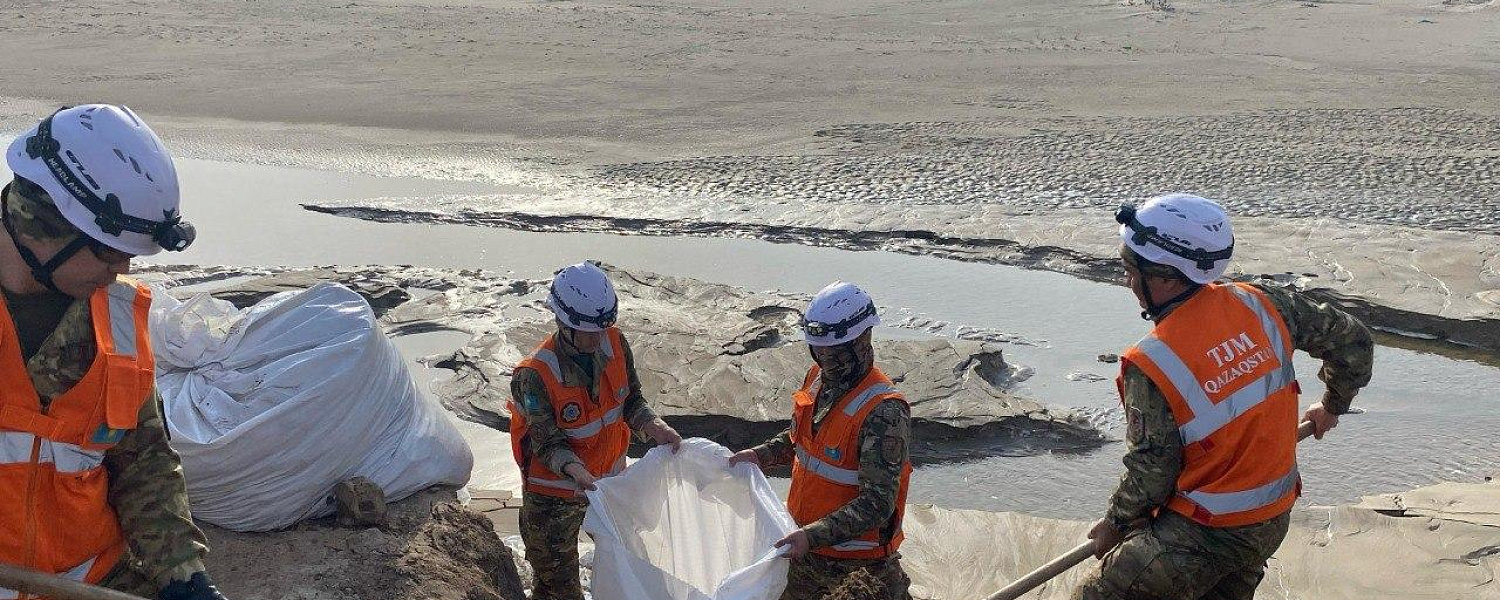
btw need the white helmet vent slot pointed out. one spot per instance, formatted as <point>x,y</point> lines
<point>109,151</point>
<point>131,114</point>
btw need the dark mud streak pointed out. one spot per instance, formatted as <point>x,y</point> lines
<point>934,442</point>
<point>1474,339</point>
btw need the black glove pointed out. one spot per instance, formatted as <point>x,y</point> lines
<point>197,588</point>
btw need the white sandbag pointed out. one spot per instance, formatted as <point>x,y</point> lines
<point>271,406</point>
<point>687,527</point>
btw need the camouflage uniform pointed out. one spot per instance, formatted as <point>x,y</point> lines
<point>884,438</point>
<point>549,525</point>
<point>1175,557</point>
<point>146,485</point>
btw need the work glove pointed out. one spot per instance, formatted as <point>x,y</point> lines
<point>197,588</point>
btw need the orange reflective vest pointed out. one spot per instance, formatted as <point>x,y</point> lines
<point>825,474</point>
<point>55,515</point>
<point>597,431</point>
<point>1223,359</point>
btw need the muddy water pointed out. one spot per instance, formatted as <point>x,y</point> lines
<point>1430,418</point>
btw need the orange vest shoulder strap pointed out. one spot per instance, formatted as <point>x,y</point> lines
<point>544,361</point>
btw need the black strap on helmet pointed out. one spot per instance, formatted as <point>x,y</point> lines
<point>821,329</point>
<point>171,233</point>
<point>42,272</point>
<point>1142,234</point>
<point>605,318</point>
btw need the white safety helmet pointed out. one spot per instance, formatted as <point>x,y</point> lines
<point>837,314</point>
<point>1187,232</point>
<point>582,297</point>
<point>108,174</point>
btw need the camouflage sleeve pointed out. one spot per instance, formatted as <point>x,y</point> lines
<point>637,413</point>
<point>775,451</point>
<point>883,441</point>
<point>149,494</point>
<point>1332,335</point>
<point>544,439</point>
<point>1153,456</point>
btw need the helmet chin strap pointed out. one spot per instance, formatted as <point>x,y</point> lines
<point>1153,310</point>
<point>41,272</point>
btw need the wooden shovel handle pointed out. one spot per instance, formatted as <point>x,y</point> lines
<point>54,587</point>
<point>1079,554</point>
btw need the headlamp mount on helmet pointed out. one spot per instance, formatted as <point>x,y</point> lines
<point>1142,234</point>
<point>836,330</point>
<point>171,232</point>
<point>604,319</point>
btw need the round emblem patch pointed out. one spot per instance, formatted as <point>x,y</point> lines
<point>571,412</point>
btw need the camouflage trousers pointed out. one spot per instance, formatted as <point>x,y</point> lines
<point>549,527</point>
<point>815,577</point>
<point>128,579</point>
<point>1175,558</point>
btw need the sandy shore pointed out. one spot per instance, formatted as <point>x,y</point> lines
<point>1361,141</point>
<point>677,79</point>
<point>1362,138</point>
<point>1434,542</point>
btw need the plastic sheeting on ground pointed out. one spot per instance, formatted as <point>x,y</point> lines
<point>687,527</point>
<point>271,406</point>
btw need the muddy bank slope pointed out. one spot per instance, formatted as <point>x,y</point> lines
<point>715,360</point>
<point>431,548</point>
<point>1419,283</point>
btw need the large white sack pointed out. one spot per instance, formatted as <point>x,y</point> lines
<point>687,527</point>
<point>271,406</point>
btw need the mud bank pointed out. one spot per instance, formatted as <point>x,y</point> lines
<point>1437,288</point>
<point>431,548</point>
<point>1426,421</point>
<point>717,361</point>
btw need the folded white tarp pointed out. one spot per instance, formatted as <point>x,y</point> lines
<point>687,527</point>
<point>271,406</point>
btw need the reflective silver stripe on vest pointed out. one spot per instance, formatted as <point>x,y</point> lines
<point>122,317</point>
<point>549,358</point>
<point>855,545</point>
<point>15,447</point>
<point>569,484</point>
<point>78,573</point>
<point>825,470</point>
<point>864,397</point>
<point>67,458</point>
<point>1273,331</point>
<point>561,484</point>
<point>1207,416</point>
<point>1223,503</point>
<point>592,428</point>
<point>817,386</point>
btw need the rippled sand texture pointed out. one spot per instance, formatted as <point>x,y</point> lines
<point>1358,142</point>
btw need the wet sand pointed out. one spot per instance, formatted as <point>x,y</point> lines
<point>1359,139</point>
<point>1358,142</point>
